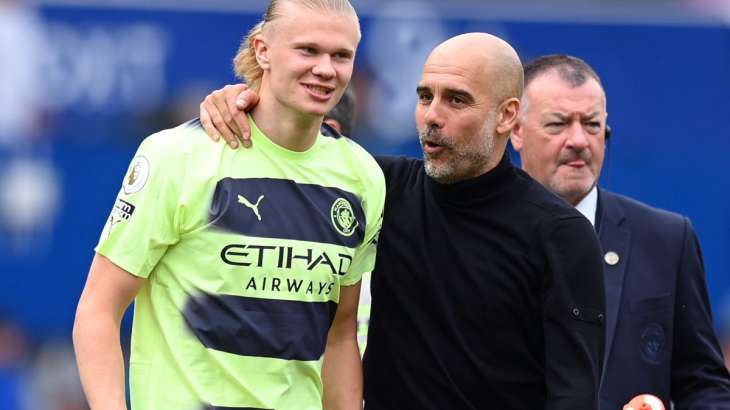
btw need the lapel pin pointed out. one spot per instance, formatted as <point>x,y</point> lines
<point>611,258</point>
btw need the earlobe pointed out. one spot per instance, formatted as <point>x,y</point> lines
<point>507,118</point>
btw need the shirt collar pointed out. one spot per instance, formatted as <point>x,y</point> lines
<point>588,205</point>
<point>487,186</point>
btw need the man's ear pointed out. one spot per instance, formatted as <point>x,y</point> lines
<point>262,51</point>
<point>516,136</point>
<point>507,115</point>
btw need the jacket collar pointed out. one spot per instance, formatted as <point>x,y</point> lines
<point>615,238</point>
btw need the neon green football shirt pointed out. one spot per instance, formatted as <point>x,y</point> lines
<point>245,252</point>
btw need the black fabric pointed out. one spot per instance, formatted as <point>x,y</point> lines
<point>329,131</point>
<point>487,294</point>
<point>282,329</point>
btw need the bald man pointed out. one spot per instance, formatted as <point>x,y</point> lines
<point>488,290</point>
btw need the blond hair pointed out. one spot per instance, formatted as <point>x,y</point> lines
<point>245,65</point>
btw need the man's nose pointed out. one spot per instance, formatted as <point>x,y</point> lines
<point>433,116</point>
<point>577,136</point>
<point>324,67</point>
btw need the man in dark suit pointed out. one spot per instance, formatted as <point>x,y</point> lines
<point>659,334</point>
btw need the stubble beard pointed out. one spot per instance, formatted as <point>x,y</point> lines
<point>462,162</point>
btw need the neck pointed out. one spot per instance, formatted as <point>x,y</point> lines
<point>287,128</point>
<point>575,199</point>
<point>483,187</point>
<point>493,161</point>
<point>495,157</point>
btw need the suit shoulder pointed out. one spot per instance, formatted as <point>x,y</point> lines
<point>639,212</point>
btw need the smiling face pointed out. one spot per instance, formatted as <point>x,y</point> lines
<point>560,134</point>
<point>307,56</point>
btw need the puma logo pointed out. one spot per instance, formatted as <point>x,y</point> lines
<point>112,222</point>
<point>254,208</point>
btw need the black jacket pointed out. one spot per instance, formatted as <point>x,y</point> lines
<point>487,294</point>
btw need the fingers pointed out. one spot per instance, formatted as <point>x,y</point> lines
<point>219,98</point>
<point>211,119</point>
<point>223,114</point>
<point>246,100</point>
<point>208,123</point>
<point>231,93</point>
<point>214,104</point>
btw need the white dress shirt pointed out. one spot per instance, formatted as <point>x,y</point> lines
<point>588,205</point>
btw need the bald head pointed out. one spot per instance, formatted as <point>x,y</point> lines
<point>492,60</point>
<point>468,100</point>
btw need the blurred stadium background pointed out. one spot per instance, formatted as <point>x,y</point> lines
<point>83,82</point>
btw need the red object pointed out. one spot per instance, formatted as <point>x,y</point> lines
<point>644,402</point>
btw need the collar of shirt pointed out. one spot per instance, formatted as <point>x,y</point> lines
<point>485,187</point>
<point>588,205</point>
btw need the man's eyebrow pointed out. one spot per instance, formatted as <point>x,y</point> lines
<point>560,116</point>
<point>466,95</point>
<point>565,117</point>
<point>304,44</point>
<point>318,47</point>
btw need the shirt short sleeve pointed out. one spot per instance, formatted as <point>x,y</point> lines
<point>373,204</point>
<point>142,223</point>
<point>364,259</point>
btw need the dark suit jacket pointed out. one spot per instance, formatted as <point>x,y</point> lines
<point>659,334</point>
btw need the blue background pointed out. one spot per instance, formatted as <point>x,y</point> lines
<point>667,88</point>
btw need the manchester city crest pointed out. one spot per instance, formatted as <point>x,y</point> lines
<point>653,343</point>
<point>343,217</point>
